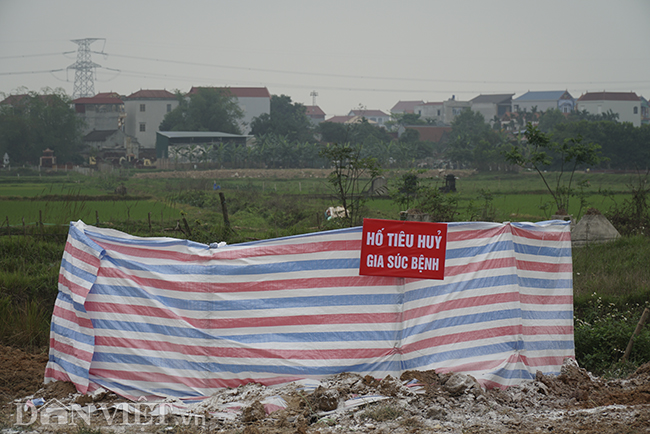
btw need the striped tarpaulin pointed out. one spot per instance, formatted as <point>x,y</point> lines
<point>162,317</point>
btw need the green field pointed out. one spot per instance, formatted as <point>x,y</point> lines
<point>280,204</point>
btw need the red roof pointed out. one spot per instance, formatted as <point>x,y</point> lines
<point>430,134</point>
<point>151,94</point>
<point>239,92</point>
<point>609,96</point>
<point>16,99</point>
<point>107,95</point>
<point>314,110</point>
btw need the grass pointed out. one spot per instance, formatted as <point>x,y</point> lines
<point>611,282</point>
<point>29,271</point>
<point>612,288</point>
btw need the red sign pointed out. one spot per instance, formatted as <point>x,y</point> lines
<point>403,249</point>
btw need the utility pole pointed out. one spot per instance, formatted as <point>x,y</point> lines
<point>84,84</point>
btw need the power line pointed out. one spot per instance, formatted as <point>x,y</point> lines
<point>47,71</point>
<point>367,77</point>
<point>21,56</point>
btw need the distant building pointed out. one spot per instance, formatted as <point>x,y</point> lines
<point>430,110</point>
<point>169,142</point>
<point>101,112</point>
<point>405,107</point>
<point>545,100</point>
<point>315,114</point>
<point>47,160</point>
<point>341,119</point>
<point>145,110</point>
<point>428,133</point>
<point>254,101</point>
<point>626,104</point>
<point>111,146</point>
<point>452,108</point>
<point>492,105</point>
<point>377,117</point>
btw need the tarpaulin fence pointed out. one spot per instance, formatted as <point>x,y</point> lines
<point>162,317</point>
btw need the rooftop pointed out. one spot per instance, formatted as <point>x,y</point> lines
<point>609,96</point>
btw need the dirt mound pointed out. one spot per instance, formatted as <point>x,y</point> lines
<point>21,373</point>
<point>574,401</point>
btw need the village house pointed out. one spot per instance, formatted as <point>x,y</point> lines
<point>627,105</point>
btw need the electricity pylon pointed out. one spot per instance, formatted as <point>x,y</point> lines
<point>84,83</point>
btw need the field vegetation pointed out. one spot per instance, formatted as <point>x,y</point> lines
<point>611,282</point>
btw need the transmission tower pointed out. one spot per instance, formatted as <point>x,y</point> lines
<point>84,84</point>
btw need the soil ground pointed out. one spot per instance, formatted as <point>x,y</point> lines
<point>573,402</point>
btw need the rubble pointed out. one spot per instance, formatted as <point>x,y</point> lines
<point>574,401</point>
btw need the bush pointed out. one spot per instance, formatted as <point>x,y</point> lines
<point>603,329</point>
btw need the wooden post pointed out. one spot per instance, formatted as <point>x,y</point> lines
<point>224,210</point>
<point>24,228</point>
<point>149,218</point>
<point>97,217</point>
<point>637,330</point>
<point>187,227</point>
<point>8,228</point>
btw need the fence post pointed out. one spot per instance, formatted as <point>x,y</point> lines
<point>224,210</point>
<point>24,228</point>
<point>8,228</point>
<point>149,219</point>
<point>96,218</point>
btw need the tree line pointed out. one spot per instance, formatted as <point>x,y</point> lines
<point>286,137</point>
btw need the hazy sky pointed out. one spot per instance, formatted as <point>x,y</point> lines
<point>352,52</point>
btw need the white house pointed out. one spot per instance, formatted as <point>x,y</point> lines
<point>145,110</point>
<point>626,104</point>
<point>452,108</point>
<point>376,116</point>
<point>545,100</point>
<point>492,105</point>
<point>405,107</point>
<point>430,110</point>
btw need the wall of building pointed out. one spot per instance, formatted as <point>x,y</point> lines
<point>102,117</point>
<point>153,114</point>
<point>625,109</point>
<point>252,108</point>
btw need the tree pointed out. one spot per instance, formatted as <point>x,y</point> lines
<point>540,152</point>
<point>550,119</point>
<point>406,190</point>
<point>350,178</point>
<point>473,142</point>
<point>286,119</point>
<point>209,109</point>
<point>33,122</point>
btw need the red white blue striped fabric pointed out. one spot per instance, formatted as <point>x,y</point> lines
<point>162,317</point>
